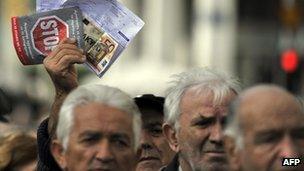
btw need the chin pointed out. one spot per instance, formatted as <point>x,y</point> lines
<point>148,166</point>
<point>212,166</point>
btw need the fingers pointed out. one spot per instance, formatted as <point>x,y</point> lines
<point>67,52</point>
<point>61,47</point>
<point>72,59</point>
<point>66,48</point>
<point>66,43</point>
<point>68,40</point>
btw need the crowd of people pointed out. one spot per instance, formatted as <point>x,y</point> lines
<point>204,123</point>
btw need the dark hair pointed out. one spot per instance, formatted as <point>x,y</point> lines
<point>149,101</point>
<point>17,149</point>
<point>5,105</point>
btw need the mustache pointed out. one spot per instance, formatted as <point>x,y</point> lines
<point>102,165</point>
<point>147,154</point>
<point>211,147</point>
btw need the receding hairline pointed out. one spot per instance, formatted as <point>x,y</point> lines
<point>270,95</point>
<point>264,88</point>
<point>266,91</point>
<point>197,90</point>
<point>102,104</point>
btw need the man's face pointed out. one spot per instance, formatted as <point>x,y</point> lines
<point>154,151</point>
<point>199,137</point>
<point>271,132</point>
<point>100,139</point>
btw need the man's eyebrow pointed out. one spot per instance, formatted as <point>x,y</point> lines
<point>120,135</point>
<point>201,117</point>
<point>270,131</point>
<point>297,130</point>
<point>153,124</point>
<point>90,134</point>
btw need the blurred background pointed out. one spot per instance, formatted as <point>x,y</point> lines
<point>255,40</point>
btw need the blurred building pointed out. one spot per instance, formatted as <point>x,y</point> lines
<point>271,43</point>
<point>245,38</point>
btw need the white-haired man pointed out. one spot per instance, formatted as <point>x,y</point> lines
<point>265,125</point>
<point>153,150</point>
<point>195,111</point>
<point>98,129</point>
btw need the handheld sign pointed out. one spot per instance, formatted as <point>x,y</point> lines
<point>35,36</point>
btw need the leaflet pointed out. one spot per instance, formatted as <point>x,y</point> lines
<point>47,5</point>
<point>35,36</point>
<point>108,28</point>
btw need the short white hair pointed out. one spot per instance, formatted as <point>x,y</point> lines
<point>200,79</point>
<point>96,93</point>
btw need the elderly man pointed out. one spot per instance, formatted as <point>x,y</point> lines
<point>98,129</point>
<point>195,111</point>
<point>153,151</point>
<point>266,125</point>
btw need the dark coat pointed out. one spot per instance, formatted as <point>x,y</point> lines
<point>173,165</point>
<point>46,162</point>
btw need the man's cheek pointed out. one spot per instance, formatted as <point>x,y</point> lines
<point>160,143</point>
<point>261,161</point>
<point>125,159</point>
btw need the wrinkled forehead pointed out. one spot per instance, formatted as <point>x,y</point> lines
<point>270,115</point>
<point>96,116</point>
<point>149,116</point>
<point>198,95</point>
<point>201,103</point>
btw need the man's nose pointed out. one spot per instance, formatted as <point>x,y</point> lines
<point>216,134</point>
<point>145,140</point>
<point>288,148</point>
<point>105,153</point>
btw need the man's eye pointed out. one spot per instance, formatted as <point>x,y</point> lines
<point>156,132</point>
<point>204,123</point>
<point>267,139</point>
<point>298,134</point>
<point>224,122</point>
<point>120,143</point>
<point>89,140</point>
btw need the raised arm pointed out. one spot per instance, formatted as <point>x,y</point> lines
<point>60,66</point>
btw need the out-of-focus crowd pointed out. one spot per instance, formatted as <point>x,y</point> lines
<point>204,123</point>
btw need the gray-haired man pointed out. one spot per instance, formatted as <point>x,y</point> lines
<point>266,125</point>
<point>195,111</point>
<point>98,129</point>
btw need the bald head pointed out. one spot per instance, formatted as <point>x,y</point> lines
<point>266,101</point>
<point>268,123</point>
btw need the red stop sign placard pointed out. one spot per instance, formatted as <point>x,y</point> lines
<point>47,32</point>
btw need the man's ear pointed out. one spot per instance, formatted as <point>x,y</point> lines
<point>233,153</point>
<point>171,136</point>
<point>58,153</point>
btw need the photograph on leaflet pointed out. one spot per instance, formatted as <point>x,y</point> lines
<point>99,46</point>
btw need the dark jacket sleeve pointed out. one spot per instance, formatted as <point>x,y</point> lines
<point>173,165</point>
<point>46,162</point>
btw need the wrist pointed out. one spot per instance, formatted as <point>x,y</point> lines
<point>61,93</point>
